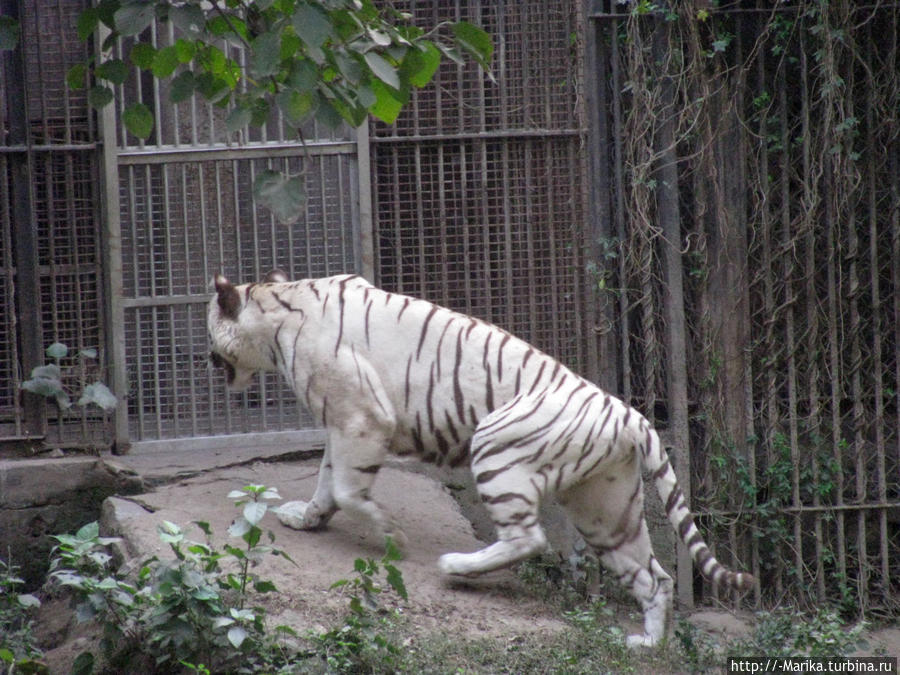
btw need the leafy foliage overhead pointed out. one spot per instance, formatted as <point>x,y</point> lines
<point>331,60</point>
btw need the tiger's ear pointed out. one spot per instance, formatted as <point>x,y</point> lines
<point>229,299</point>
<point>275,276</point>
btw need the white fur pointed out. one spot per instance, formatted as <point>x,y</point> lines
<point>385,372</point>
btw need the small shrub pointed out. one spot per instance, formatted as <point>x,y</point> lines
<point>189,610</point>
<point>360,643</point>
<point>49,380</point>
<point>17,645</point>
<point>784,634</point>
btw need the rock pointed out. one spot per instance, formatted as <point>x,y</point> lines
<point>42,497</point>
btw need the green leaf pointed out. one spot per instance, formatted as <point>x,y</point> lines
<point>266,54</point>
<point>233,29</point>
<point>9,33</point>
<point>297,106</point>
<point>260,109</point>
<point>84,664</point>
<point>395,579</point>
<point>88,532</point>
<point>183,86</point>
<point>475,41</point>
<point>242,614</point>
<point>165,62</point>
<point>303,75</point>
<point>239,527</point>
<point>87,23</point>
<point>75,77</point>
<point>236,552</point>
<point>290,45</point>
<point>113,70</point>
<point>185,50</point>
<point>284,196</point>
<point>254,512</point>
<point>420,65</point>
<point>138,120</point>
<point>214,89</point>
<point>57,351</point>
<point>387,107</point>
<point>222,621</point>
<point>43,384</point>
<point>383,70</point>
<point>189,19</point>
<point>263,586</point>
<point>350,68</point>
<point>284,555</point>
<point>6,656</point>
<point>328,115</point>
<point>89,353</point>
<point>312,25</point>
<point>252,537</point>
<point>392,552</point>
<point>142,55</point>
<point>99,96</point>
<point>28,601</point>
<point>134,17</point>
<point>98,394</point>
<point>236,636</point>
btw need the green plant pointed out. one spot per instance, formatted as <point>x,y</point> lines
<point>191,609</point>
<point>696,646</point>
<point>48,380</point>
<point>783,634</point>
<point>17,645</point>
<point>361,639</point>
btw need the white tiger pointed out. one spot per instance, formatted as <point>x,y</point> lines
<point>386,372</point>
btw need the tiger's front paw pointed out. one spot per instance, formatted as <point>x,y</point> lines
<point>300,515</point>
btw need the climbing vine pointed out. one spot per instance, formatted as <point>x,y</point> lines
<point>780,120</point>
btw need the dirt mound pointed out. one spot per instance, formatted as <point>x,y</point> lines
<point>427,512</point>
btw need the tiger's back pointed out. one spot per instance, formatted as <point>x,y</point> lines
<point>442,371</point>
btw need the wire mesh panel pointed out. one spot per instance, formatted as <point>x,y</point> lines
<point>10,413</point>
<point>48,135</point>
<point>479,186</point>
<point>184,221</point>
<point>186,212</point>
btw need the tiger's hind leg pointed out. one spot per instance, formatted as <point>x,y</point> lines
<point>515,540</point>
<point>512,498</point>
<point>608,511</point>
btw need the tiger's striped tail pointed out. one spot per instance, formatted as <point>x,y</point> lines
<point>656,462</point>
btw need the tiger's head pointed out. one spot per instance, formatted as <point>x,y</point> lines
<point>236,344</point>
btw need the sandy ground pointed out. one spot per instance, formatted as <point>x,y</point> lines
<point>494,605</point>
<point>429,516</point>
